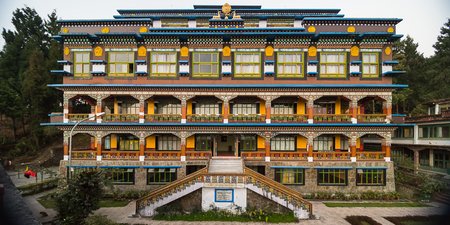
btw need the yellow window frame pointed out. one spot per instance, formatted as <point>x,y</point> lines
<point>247,75</point>
<point>291,75</point>
<point>115,74</point>
<point>376,64</point>
<point>163,74</point>
<point>212,63</point>
<point>333,75</point>
<point>76,62</point>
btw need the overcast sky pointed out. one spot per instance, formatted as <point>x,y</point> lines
<point>422,19</point>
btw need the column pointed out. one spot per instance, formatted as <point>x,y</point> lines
<point>309,110</point>
<point>99,147</point>
<point>66,145</point>
<point>226,109</point>
<point>354,110</point>
<point>431,158</point>
<point>141,148</point>
<point>353,148</point>
<point>267,147</point>
<point>387,147</point>
<point>268,109</point>
<point>416,161</point>
<point>141,110</point>
<point>389,109</point>
<point>310,149</point>
<point>66,109</point>
<point>98,108</point>
<point>183,148</point>
<point>183,110</point>
<point>236,145</point>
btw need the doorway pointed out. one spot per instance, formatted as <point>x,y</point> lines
<point>225,145</point>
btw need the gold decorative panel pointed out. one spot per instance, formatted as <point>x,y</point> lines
<point>98,51</point>
<point>184,51</point>
<point>311,29</point>
<point>354,51</point>
<point>226,51</point>
<point>142,51</point>
<point>105,30</point>
<point>351,29</point>
<point>388,50</point>
<point>66,51</point>
<point>390,30</point>
<point>143,29</point>
<point>269,51</point>
<point>312,51</point>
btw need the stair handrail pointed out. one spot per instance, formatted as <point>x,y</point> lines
<point>144,200</point>
<point>279,187</point>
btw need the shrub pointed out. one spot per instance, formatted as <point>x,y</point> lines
<point>99,220</point>
<point>31,189</point>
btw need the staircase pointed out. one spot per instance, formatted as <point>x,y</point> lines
<point>225,171</point>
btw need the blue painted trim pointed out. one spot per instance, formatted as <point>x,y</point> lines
<point>140,72</point>
<point>55,114</point>
<point>391,62</point>
<point>98,61</point>
<point>236,85</point>
<point>104,20</point>
<point>129,167</point>
<point>374,167</point>
<point>269,61</point>
<point>334,167</point>
<point>236,124</point>
<point>157,167</point>
<point>355,73</point>
<point>261,17</point>
<point>59,72</point>
<point>399,115</point>
<point>226,62</point>
<point>251,29</point>
<point>394,73</point>
<point>98,72</point>
<point>143,61</point>
<point>79,166</point>
<point>353,19</point>
<point>312,62</point>
<point>312,73</point>
<point>226,73</point>
<point>184,73</point>
<point>64,62</point>
<point>269,73</point>
<point>290,167</point>
<point>224,189</point>
<point>183,61</point>
<point>356,62</point>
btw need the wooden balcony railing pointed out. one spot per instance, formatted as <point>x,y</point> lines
<point>121,118</point>
<point>170,118</point>
<point>325,155</point>
<point>253,156</point>
<point>196,118</point>
<point>370,155</point>
<point>77,116</point>
<point>122,155</point>
<point>301,156</point>
<point>198,155</point>
<point>247,118</point>
<point>288,118</point>
<point>332,118</point>
<point>162,155</point>
<point>84,154</point>
<point>371,118</point>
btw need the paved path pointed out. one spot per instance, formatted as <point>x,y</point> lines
<point>326,215</point>
<point>37,208</point>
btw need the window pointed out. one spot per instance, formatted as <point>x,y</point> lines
<point>120,175</point>
<point>336,177</point>
<point>245,108</point>
<point>202,22</point>
<point>323,143</point>
<point>283,143</point>
<point>290,176</point>
<point>203,143</point>
<point>370,65</point>
<point>81,64</point>
<point>205,64</point>
<point>174,22</point>
<point>207,108</point>
<point>404,132</point>
<point>163,64</point>
<point>247,143</point>
<point>128,107</point>
<point>247,65</point>
<point>371,177</point>
<point>251,23</point>
<point>280,22</point>
<point>283,108</point>
<point>121,63</point>
<point>333,65</point>
<point>128,143</point>
<point>434,131</point>
<point>290,65</point>
<point>168,143</point>
<point>344,143</point>
<point>424,157</point>
<point>324,108</point>
<point>161,175</point>
<point>441,159</point>
<point>168,108</point>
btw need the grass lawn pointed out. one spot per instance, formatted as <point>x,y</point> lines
<point>375,204</point>
<point>50,203</point>
<point>361,220</point>
<point>221,216</point>
<point>419,220</point>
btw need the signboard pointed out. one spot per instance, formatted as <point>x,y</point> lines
<point>224,195</point>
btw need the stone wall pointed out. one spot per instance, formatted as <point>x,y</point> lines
<point>188,203</point>
<point>256,201</point>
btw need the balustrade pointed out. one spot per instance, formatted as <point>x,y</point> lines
<point>121,118</point>
<point>274,156</point>
<point>247,118</point>
<point>162,155</point>
<point>198,155</point>
<point>327,118</point>
<point>84,154</point>
<point>254,156</point>
<point>163,118</point>
<point>74,117</point>
<point>326,155</point>
<point>205,118</point>
<point>371,118</point>
<point>370,155</point>
<point>121,155</point>
<point>288,118</point>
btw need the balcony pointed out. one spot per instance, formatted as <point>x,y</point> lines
<point>74,117</point>
<point>330,155</point>
<point>163,118</point>
<point>286,155</point>
<point>445,115</point>
<point>84,154</point>
<point>247,118</point>
<point>121,118</point>
<point>370,156</point>
<point>202,118</point>
<point>120,155</point>
<point>198,155</point>
<point>332,118</point>
<point>253,156</point>
<point>162,155</point>
<point>371,118</point>
<point>288,118</point>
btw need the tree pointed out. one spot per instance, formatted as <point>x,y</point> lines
<point>79,198</point>
<point>439,70</point>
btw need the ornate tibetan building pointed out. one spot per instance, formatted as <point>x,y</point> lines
<point>250,100</point>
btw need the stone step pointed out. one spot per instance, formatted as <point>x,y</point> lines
<point>227,165</point>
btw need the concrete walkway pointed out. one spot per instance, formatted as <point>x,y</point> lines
<point>325,215</point>
<point>39,211</point>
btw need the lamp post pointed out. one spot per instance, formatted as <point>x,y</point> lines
<point>70,138</point>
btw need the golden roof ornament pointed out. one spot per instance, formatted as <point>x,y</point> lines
<point>226,9</point>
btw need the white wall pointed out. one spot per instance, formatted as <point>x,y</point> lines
<point>240,199</point>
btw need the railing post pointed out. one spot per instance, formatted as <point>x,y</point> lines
<point>267,146</point>
<point>99,147</point>
<point>66,108</point>
<point>387,144</point>
<point>66,145</point>
<point>98,108</point>
<point>353,149</point>
<point>389,109</point>
<point>309,110</point>
<point>183,109</point>
<point>226,109</point>
<point>310,149</point>
<point>268,109</point>
<point>354,110</point>
<point>183,147</point>
<point>141,148</point>
<point>141,109</point>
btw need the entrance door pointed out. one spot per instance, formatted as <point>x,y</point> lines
<point>225,145</point>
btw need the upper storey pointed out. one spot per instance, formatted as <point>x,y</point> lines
<point>225,45</point>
